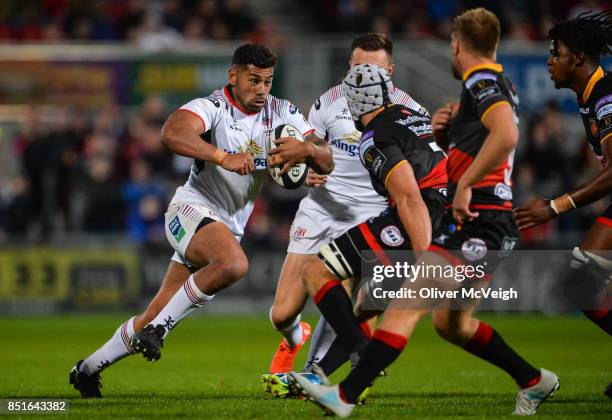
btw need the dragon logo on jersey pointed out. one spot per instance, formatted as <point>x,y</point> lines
<point>292,109</point>
<point>317,104</point>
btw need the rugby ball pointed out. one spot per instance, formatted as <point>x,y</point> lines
<point>298,173</point>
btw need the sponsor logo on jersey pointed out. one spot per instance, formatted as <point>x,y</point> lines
<point>420,130</point>
<point>584,110</point>
<point>215,101</point>
<point>603,101</point>
<point>411,120</point>
<point>235,126</point>
<point>474,249</point>
<point>503,191</point>
<point>391,236</point>
<point>292,109</point>
<point>484,89</point>
<point>603,111</point>
<point>317,104</point>
<point>364,144</point>
<point>486,93</point>
<point>176,229</point>
<point>345,114</point>
<point>349,143</point>
<point>378,163</point>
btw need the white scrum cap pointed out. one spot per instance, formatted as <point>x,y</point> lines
<point>366,87</point>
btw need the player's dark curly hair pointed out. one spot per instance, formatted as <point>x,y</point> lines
<point>589,33</point>
<point>254,54</point>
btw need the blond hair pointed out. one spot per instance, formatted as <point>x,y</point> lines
<point>479,29</point>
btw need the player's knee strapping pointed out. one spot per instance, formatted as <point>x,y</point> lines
<point>335,261</point>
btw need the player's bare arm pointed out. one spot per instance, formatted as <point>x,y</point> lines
<point>314,151</point>
<point>540,210</point>
<point>181,134</point>
<point>502,139</point>
<point>404,189</point>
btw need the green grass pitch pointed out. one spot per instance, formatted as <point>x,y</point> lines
<point>211,365</point>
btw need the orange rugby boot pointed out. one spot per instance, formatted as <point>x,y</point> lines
<point>285,356</point>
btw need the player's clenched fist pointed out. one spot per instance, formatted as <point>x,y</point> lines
<point>241,163</point>
<point>441,118</point>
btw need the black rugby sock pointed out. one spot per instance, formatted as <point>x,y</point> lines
<point>382,350</point>
<point>337,354</point>
<point>490,346</point>
<point>335,305</point>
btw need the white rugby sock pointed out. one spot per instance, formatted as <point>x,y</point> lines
<point>112,351</point>
<point>322,338</point>
<point>186,300</point>
<point>292,332</point>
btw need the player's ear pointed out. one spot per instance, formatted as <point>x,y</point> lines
<point>454,47</point>
<point>232,75</point>
<point>580,58</point>
<point>391,69</point>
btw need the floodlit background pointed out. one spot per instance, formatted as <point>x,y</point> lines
<point>86,86</point>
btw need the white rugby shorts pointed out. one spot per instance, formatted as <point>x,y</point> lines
<point>317,224</point>
<point>185,213</point>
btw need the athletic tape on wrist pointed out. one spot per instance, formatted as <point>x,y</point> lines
<point>562,204</point>
<point>218,157</point>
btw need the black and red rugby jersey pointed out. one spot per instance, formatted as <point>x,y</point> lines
<point>596,109</point>
<point>484,88</point>
<point>398,135</point>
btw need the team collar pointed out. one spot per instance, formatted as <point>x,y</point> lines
<point>230,98</point>
<point>593,79</point>
<point>489,66</point>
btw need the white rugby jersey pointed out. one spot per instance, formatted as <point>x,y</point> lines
<point>331,119</point>
<point>235,131</point>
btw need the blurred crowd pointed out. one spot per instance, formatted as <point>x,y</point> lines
<point>152,24</point>
<point>550,161</point>
<point>520,19</point>
<point>163,24</point>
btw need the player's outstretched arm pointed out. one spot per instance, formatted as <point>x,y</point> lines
<point>404,189</point>
<point>501,141</point>
<point>539,210</point>
<point>181,134</point>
